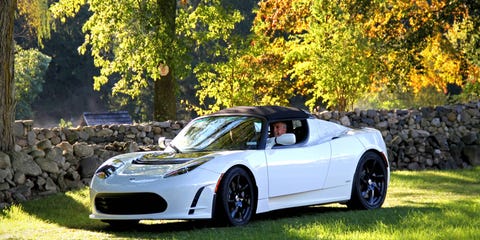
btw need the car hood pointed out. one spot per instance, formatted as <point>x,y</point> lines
<point>158,163</point>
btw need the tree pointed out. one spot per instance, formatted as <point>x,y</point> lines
<point>333,56</point>
<point>423,46</point>
<point>7,89</point>
<point>30,68</point>
<point>134,42</point>
<point>142,45</point>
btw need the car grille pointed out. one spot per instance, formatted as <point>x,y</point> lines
<point>129,203</point>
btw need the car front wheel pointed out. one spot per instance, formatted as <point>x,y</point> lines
<point>369,183</point>
<point>236,198</point>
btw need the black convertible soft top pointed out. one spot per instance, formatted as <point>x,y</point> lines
<point>271,113</point>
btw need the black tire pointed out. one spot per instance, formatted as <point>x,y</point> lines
<point>370,181</point>
<point>236,198</point>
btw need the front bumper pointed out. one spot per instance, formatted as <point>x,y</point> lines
<point>187,196</point>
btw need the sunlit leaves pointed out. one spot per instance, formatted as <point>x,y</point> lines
<point>439,68</point>
<point>37,17</point>
<point>421,45</point>
<point>131,41</point>
<point>30,68</point>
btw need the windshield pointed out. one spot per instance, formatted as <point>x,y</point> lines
<point>219,133</point>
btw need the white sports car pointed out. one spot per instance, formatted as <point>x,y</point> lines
<point>220,167</point>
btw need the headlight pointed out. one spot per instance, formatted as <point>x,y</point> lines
<point>108,168</point>
<point>187,167</point>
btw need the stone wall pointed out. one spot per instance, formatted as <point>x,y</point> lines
<point>47,161</point>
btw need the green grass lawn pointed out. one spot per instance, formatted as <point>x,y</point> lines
<point>419,205</point>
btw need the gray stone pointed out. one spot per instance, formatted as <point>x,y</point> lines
<point>41,181</point>
<point>71,136</point>
<point>83,135</point>
<point>382,125</point>
<point>48,133</point>
<point>411,151</point>
<point>37,153</point>
<point>396,140</point>
<point>157,130</point>
<point>88,166</point>
<point>436,122</point>
<point>5,174</point>
<point>89,131</point>
<point>44,144</point>
<point>54,154</point>
<point>50,185</point>
<point>5,161</point>
<point>131,147</point>
<point>24,163</point>
<point>18,130</point>
<point>345,121</point>
<point>472,154</point>
<point>19,178</point>
<point>82,150</point>
<point>55,140</point>
<point>469,138</point>
<point>420,133</point>
<point>326,115</point>
<point>4,186</point>
<point>66,147</point>
<point>31,138</point>
<point>106,132</point>
<point>47,165</point>
<point>414,166</point>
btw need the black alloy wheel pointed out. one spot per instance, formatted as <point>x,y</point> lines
<point>236,198</point>
<point>370,181</point>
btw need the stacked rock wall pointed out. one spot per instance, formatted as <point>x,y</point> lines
<point>47,161</point>
<point>445,137</point>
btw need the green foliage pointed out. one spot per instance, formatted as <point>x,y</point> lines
<point>65,124</point>
<point>210,28</point>
<point>470,93</point>
<point>333,56</point>
<point>36,18</point>
<point>385,99</point>
<point>340,54</point>
<point>30,68</point>
<point>132,41</point>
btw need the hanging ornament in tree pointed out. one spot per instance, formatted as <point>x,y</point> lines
<point>163,69</point>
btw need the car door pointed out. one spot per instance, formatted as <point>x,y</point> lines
<point>296,168</point>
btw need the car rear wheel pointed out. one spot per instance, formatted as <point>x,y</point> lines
<point>236,198</point>
<point>369,187</point>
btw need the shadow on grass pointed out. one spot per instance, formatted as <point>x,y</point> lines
<point>71,214</point>
<point>66,211</point>
<point>275,225</point>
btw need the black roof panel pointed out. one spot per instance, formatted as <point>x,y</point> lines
<point>271,113</point>
<point>106,118</point>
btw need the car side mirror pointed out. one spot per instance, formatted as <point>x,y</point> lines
<point>163,142</point>
<point>286,139</point>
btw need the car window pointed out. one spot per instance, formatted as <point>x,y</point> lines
<point>300,129</point>
<point>297,127</point>
<point>220,133</point>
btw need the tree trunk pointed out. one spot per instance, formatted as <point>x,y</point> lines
<point>7,87</point>
<point>165,100</point>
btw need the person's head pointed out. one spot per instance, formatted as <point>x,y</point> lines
<point>279,128</point>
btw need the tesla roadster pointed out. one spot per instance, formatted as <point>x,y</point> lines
<point>227,166</point>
